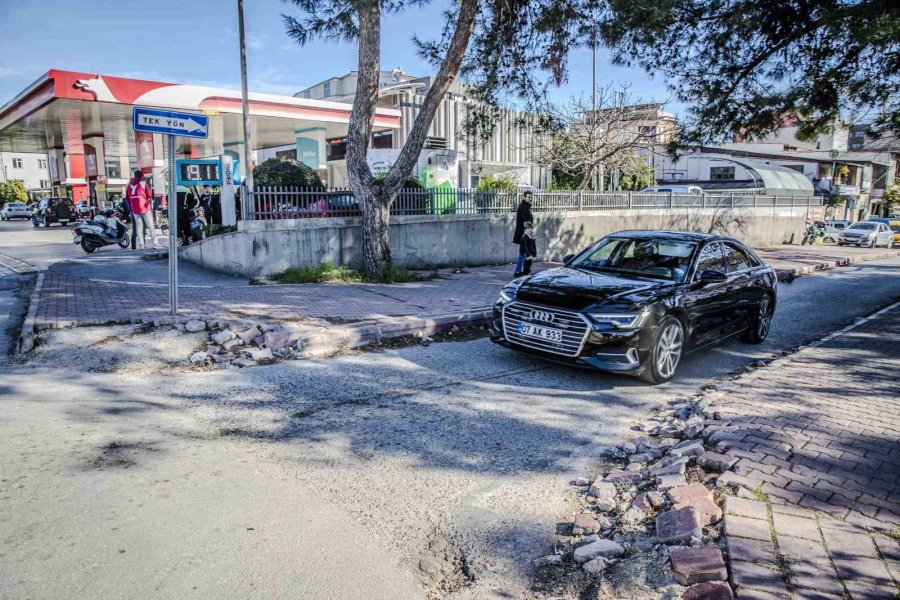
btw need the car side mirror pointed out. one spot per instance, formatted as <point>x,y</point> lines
<point>711,276</point>
<point>568,258</point>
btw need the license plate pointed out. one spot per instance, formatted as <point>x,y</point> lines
<point>77,239</point>
<point>544,333</point>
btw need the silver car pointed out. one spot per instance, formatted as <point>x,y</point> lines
<point>14,210</point>
<point>867,233</point>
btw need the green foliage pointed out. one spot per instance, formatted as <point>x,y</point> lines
<point>565,180</point>
<point>283,172</point>
<point>845,54</point>
<point>495,184</point>
<point>330,273</point>
<point>213,229</point>
<point>412,182</point>
<point>12,191</point>
<point>891,198</point>
<point>637,181</point>
<point>832,200</point>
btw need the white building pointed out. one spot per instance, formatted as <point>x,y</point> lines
<point>449,157</point>
<point>30,169</point>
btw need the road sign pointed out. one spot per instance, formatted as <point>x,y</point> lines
<point>152,120</point>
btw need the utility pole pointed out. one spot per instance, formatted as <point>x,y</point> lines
<point>245,109</point>
<point>594,104</point>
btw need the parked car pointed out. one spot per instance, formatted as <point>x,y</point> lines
<point>637,301</point>
<point>867,233</point>
<point>894,224</point>
<point>831,230</point>
<point>14,210</point>
<point>675,189</point>
<point>53,210</point>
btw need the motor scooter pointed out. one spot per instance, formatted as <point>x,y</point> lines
<point>105,229</point>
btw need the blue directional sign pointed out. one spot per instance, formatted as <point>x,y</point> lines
<point>152,120</point>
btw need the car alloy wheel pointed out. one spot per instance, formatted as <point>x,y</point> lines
<point>666,352</point>
<point>759,327</point>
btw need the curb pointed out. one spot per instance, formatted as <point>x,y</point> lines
<point>332,340</point>
<point>26,337</point>
<point>832,264</point>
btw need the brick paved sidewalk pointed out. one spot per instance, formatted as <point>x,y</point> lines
<point>67,300</point>
<point>818,438</point>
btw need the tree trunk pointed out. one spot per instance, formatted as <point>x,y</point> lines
<point>586,178</point>
<point>374,205</point>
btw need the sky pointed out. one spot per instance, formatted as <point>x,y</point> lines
<point>196,41</point>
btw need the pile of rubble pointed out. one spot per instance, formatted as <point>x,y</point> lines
<point>659,499</point>
<point>244,344</point>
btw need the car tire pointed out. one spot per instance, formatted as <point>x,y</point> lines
<point>761,324</point>
<point>665,353</point>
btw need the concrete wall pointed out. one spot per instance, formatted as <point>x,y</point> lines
<point>269,247</point>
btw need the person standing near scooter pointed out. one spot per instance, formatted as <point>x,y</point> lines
<point>141,200</point>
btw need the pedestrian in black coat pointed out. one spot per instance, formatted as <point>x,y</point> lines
<point>523,215</point>
<point>527,248</point>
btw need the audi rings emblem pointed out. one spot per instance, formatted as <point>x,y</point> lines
<point>542,315</point>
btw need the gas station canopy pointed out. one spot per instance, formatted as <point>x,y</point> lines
<point>80,119</point>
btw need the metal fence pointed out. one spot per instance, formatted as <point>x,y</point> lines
<point>304,203</point>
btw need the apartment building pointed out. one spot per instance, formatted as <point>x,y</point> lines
<point>31,169</point>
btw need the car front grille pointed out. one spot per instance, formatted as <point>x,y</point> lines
<point>573,325</point>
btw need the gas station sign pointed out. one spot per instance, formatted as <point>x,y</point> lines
<point>204,171</point>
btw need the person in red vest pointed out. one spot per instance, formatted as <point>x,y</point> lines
<point>141,200</point>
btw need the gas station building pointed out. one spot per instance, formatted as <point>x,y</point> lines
<point>83,122</point>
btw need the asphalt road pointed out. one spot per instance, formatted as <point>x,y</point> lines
<point>329,478</point>
<point>45,248</point>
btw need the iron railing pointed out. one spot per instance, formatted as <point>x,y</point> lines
<point>304,203</point>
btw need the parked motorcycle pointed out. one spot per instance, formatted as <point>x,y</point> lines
<point>105,229</point>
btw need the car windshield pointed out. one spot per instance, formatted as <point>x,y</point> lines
<point>864,226</point>
<point>16,205</point>
<point>645,257</point>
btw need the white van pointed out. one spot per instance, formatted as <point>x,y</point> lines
<point>676,189</point>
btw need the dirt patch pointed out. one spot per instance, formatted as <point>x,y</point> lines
<point>119,455</point>
<point>443,567</point>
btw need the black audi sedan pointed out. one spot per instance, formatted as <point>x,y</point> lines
<point>637,301</point>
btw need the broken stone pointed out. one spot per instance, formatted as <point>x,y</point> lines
<point>688,448</point>
<point>692,431</point>
<point>586,523</point>
<point>581,481</point>
<point>259,354</point>
<point>678,525</point>
<point>222,358</point>
<point>223,336</point>
<point>643,503</point>
<point>595,566</point>
<point>588,539</point>
<point>549,560</point>
<point>619,476</point>
<point>677,467</point>
<point>601,549</point>
<point>643,457</point>
<point>278,340</point>
<point>656,499</point>
<point>199,357</point>
<point>244,362</point>
<point>666,482</point>
<point>711,590</point>
<point>605,494</point>
<point>628,448</point>
<point>633,516</point>
<point>713,461</point>
<point>195,326</point>
<point>249,334</point>
<point>697,565</point>
<point>635,467</point>
<point>232,344</point>
<point>696,495</point>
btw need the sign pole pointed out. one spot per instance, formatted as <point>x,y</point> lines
<point>173,229</point>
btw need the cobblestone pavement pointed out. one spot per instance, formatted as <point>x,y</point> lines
<point>67,300</point>
<point>818,441</point>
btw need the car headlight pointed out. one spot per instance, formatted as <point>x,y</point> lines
<point>507,294</point>
<point>620,320</point>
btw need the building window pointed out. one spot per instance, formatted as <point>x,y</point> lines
<point>721,173</point>
<point>113,169</point>
<point>327,91</point>
<point>383,139</point>
<point>647,131</point>
<point>286,154</point>
<point>42,163</point>
<point>45,184</point>
<point>307,94</point>
<point>17,163</point>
